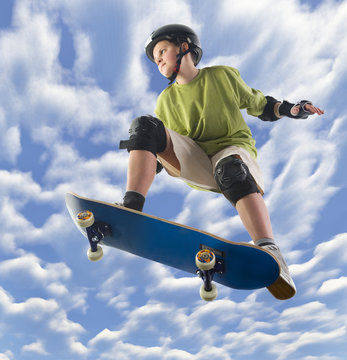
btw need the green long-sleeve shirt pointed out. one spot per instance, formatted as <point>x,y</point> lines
<point>208,109</point>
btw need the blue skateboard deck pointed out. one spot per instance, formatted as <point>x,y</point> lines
<point>241,265</point>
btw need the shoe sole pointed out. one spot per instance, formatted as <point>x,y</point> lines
<point>281,289</point>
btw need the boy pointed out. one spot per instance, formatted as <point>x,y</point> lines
<point>202,138</point>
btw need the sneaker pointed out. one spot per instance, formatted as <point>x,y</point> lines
<point>121,203</point>
<point>283,288</point>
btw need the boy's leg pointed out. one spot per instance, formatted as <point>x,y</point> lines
<point>143,164</point>
<point>141,172</point>
<point>256,219</point>
<point>239,186</point>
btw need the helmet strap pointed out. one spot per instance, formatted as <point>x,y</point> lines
<point>178,64</point>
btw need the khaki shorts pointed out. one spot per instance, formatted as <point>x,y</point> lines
<point>197,168</point>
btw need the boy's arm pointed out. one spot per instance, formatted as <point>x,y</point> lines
<point>275,109</point>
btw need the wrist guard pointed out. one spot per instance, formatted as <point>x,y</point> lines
<point>268,112</point>
<point>286,108</point>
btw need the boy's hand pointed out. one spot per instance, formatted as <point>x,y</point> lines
<point>308,107</point>
<point>300,110</point>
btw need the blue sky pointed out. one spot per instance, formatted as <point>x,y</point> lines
<point>72,77</point>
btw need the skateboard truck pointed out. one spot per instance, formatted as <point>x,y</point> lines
<point>96,231</point>
<point>208,265</point>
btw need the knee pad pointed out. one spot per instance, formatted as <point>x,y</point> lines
<point>146,133</point>
<point>234,179</point>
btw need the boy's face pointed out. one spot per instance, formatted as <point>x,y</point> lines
<point>165,56</point>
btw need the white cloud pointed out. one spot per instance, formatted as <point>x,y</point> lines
<point>308,338</point>
<point>8,355</point>
<point>189,324</point>
<point>77,347</point>
<point>10,146</point>
<point>114,291</point>
<point>282,345</point>
<point>333,285</point>
<point>35,308</point>
<point>128,351</point>
<point>299,49</point>
<point>31,32</point>
<point>19,185</point>
<point>105,335</point>
<point>51,278</point>
<point>211,213</point>
<point>333,248</point>
<point>84,54</point>
<point>61,324</point>
<point>33,89</point>
<point>325,267</point>
<point>36,347</point>
<point>329,252</point>
<point>177,287</point>
<point>30,265</point>
<point>307,313</point>
<point>77,109</point>
<point>57,289</point>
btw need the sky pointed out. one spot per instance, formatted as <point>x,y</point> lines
<point>73,75</point>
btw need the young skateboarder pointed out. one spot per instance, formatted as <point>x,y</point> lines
<point>200,136</point>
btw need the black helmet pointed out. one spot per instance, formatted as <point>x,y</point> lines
<point>175,32</point>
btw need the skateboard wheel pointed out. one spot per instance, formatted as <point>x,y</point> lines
<point>85,218</point>
<point>208,295</point>
<point>95,255</point>
<point>205,259</point>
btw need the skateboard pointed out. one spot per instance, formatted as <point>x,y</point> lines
<point>213,259</point>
